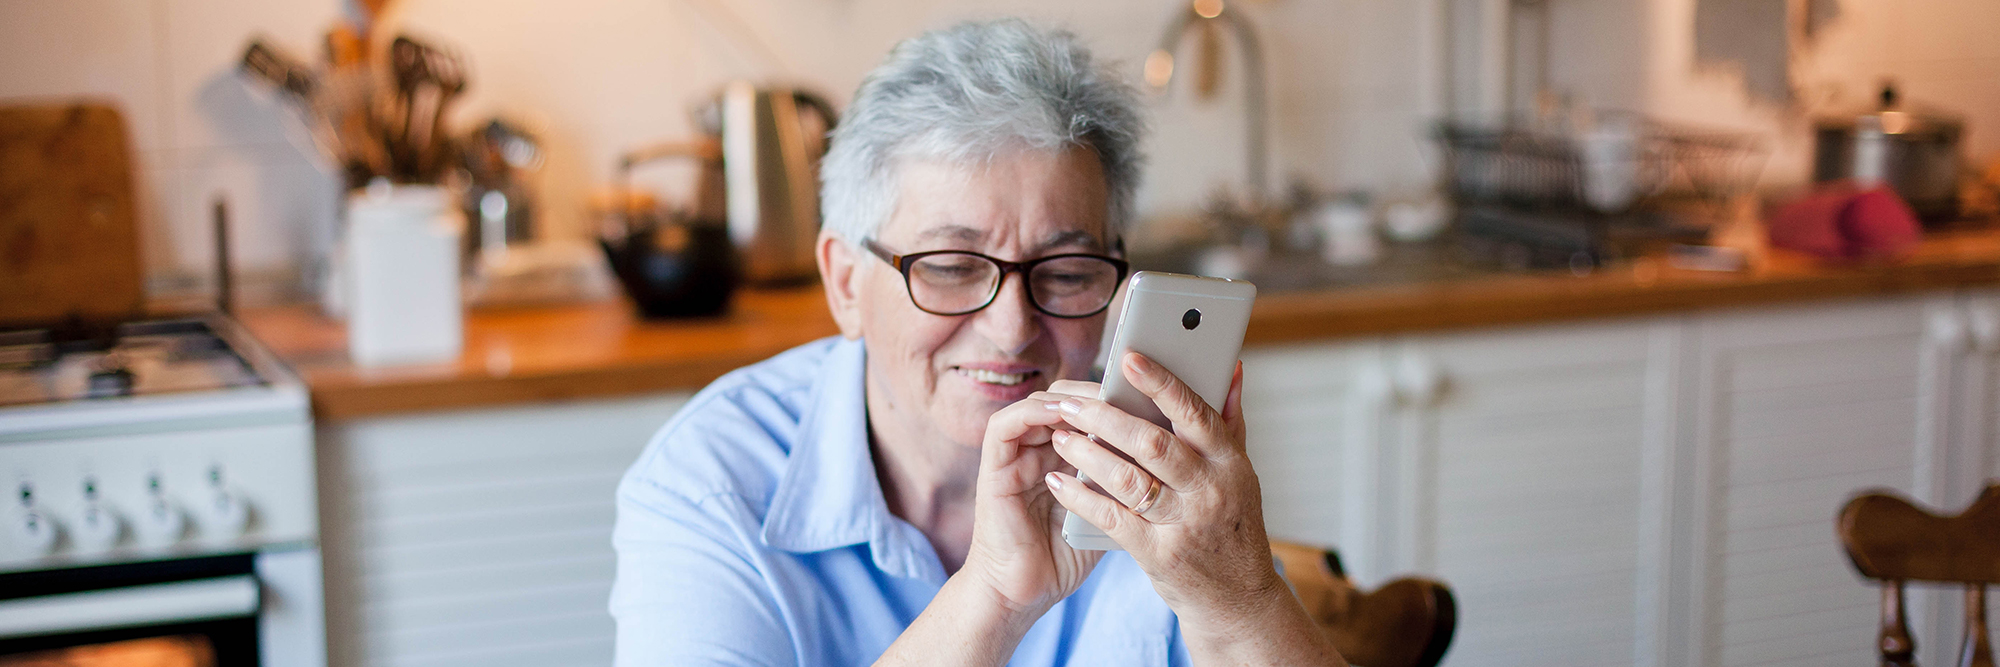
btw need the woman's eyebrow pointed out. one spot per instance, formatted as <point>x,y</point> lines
<point>959,233</point>
<point>1071,238</point>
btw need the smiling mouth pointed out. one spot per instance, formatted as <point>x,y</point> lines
<point>991,377</point>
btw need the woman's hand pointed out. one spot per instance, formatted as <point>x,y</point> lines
<point>1017,548</point>
<point>1202,540</point>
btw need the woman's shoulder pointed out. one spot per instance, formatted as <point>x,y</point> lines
<point>735,435</point>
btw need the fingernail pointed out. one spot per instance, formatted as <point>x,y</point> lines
<point>1060,437</point>
<point>1070,406</point>
<point>1140,364</point>
<point>1054,481</point>
<point>1052,405</point>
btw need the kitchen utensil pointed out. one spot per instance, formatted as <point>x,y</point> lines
<point>675,269</point>
<point>1415,221</point>
<point>68,243</point>
<point>1619,161</point>
<point>225,295</point>
<point>427,80</point>
<point>299,84</point>
<point>1348,227</point>
<point>498,158</point>
<point>445,72</point>
<point>1914,150</point>
<point>672,263</point>
<point>770,166</point>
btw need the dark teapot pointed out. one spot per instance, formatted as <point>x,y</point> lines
<point>674,263</point>
<point>673,267</point>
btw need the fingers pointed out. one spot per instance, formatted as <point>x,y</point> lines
<point>1152,447</point>
<point>1117,521</point>
<point>1177,401</point>
<point>1126,482</point>
<point>1074,388</point>
<point>1232,406</point>
<point>1024,423</point>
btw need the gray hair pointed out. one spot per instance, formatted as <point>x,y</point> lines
<point>966,93</point>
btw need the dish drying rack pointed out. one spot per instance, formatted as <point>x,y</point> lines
<point>1583,194</point>
<point>1623,162</point>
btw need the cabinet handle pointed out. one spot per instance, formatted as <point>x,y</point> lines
<point>1417,379</point>
<point>1373,386</point>
<point>1983,321</point>
<point>1947,330</point>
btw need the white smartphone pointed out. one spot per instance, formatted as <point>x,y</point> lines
<point>1191,325</point>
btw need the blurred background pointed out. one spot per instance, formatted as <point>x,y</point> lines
<point>1593,311</point>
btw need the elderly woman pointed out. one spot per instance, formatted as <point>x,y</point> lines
<point>895,495</point>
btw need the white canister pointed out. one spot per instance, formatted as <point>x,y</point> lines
<point>402,246</point>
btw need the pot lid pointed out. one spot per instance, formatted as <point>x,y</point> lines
<point>1893,115</point>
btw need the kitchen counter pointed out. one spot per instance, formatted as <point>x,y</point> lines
<point>602,350</point>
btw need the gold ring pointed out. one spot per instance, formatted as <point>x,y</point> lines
<point>1152,496</point>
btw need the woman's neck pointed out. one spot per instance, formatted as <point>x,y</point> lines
<point>926,480</point>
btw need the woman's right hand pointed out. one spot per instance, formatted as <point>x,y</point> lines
<point>1018,553</point>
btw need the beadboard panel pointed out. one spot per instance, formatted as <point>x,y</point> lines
<point>1801,409</point>
<point>1533,448</point>
<point>1295,400</point>
<point>479,537</point>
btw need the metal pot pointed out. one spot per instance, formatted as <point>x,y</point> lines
<point>1916,153</point>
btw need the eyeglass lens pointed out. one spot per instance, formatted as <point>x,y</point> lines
<point>950,283</point>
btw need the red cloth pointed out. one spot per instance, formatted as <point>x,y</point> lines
<point>1842,221</point>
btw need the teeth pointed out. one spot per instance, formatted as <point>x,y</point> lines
<point>990,377</point>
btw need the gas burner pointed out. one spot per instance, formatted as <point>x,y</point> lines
<point>80,361</point>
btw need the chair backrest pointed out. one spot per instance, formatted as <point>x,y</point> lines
<point>1892,540</point>
<point>1405,623</point>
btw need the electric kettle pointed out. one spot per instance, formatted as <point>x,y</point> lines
<point>772,139</point>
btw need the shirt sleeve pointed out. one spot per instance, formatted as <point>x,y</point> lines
<point>688,591</point>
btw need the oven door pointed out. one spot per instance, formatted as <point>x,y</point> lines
<point>196,612</point>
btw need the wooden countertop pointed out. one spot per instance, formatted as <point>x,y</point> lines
<point>602,350</point>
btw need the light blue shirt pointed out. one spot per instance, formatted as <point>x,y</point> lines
<point>752,531</point>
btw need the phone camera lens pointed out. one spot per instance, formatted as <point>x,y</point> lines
<point>1191,319</point>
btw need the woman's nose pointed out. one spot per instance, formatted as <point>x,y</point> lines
<point>1011,322</point>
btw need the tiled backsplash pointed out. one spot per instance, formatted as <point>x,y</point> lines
<point>597,76</point>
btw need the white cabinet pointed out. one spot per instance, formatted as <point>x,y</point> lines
<point>1652,492</point>
<point>478,537</point>
<point>1793,411</point>
<point>1510,464</point>
<point>1529,486</point>
<point>1300,403</point>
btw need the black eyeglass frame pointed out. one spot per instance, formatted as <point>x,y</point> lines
<point>904,262</point>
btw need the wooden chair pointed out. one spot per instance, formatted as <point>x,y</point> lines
<point>1893,541</point>
<point>1405,623</point>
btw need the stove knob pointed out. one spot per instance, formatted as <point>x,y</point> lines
<point>226,515</point>
<point>36,533</point>
<point>99,528</point>
<point>161,524</point>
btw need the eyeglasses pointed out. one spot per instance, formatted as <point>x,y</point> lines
<point>958,282</point>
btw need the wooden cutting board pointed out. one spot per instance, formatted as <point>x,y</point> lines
<point>68,242</point>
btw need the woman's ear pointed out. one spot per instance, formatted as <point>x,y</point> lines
<point>840,273</point>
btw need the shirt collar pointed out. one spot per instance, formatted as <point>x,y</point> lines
<point>829,496</point>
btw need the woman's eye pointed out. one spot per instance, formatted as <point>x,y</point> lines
<point>951,270</point>
<point>1072,278</point>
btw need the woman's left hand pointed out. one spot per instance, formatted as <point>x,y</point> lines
<point>1202,539</point>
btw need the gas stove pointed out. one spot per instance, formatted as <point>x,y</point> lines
<point>158,467</point>
<point>51,365</point>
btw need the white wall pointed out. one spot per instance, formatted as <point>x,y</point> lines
<point>1641,55</point>
<point>1352,85</point>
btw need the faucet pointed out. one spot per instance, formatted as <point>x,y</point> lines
<point>1159,71</point>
